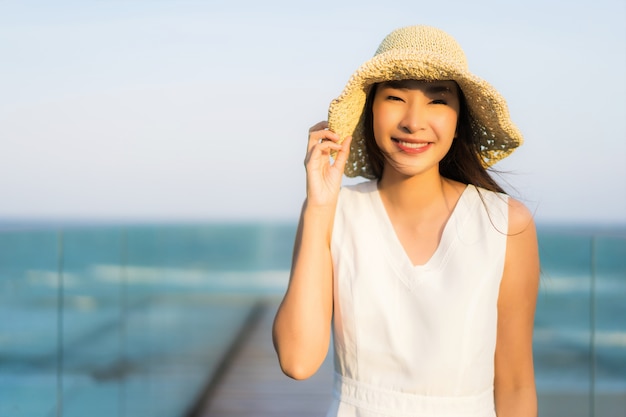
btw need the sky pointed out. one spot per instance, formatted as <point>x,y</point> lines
<point>152,110</point>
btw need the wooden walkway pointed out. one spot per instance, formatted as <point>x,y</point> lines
<point>250,384</point>
<point>253,385</point>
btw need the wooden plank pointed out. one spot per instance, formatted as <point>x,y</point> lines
<point>255,386</point>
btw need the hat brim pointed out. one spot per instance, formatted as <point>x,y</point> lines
<point>491,122</point>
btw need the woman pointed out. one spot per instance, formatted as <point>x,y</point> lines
<point>428,272</point>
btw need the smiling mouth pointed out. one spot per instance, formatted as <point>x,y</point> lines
<point>412,145</point>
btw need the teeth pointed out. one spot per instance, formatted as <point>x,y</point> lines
<point>412,144</point>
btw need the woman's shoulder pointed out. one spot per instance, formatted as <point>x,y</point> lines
<point>520,217</point>
<point>517,215</point>
<point>366,186</point>
<point>357,191</point>
<point>358,200</point>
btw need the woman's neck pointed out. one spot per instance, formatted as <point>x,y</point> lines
<point>419,207</point>
<point>413,193</point>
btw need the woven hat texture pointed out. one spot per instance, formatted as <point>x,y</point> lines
<point>423,53</point>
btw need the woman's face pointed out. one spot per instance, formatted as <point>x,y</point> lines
<point>414,123</point>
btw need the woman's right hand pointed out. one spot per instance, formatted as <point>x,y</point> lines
<point>302,325</point>
<point>323,179</point>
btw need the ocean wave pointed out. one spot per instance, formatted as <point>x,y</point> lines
<point>601,338</point>
<point>583,284</point>
<point>189,277</point>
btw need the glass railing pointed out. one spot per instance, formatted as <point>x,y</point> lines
<point>134,321</point>
<point>127,321</point>
<point>580,325</point>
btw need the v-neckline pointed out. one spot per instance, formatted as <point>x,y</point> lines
<point>396,251</point>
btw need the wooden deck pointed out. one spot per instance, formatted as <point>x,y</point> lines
<point>252,383</point>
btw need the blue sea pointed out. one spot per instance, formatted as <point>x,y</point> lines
<point>133,320</point>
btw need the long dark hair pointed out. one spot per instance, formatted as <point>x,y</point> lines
<point>462,163</point>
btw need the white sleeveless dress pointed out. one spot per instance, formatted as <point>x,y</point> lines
<point>416,341</point>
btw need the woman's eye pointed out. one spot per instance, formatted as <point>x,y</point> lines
<point>439,101</point>
<point>394,98</point>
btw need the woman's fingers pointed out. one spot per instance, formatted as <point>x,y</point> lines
<point>344,152</point>
<point>322,145</point>
<point>324,178</point>
<point>319,134</point>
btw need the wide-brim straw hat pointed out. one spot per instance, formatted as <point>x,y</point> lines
<point>423,53</point>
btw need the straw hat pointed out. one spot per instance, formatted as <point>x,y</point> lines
<point>423,53</point>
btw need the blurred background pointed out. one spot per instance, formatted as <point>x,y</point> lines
<point>152,175</point>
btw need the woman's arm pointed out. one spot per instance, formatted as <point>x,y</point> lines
<point>301,330</point>
<point>514,385</point>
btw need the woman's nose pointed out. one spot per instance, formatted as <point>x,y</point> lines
<point>413,119</point>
